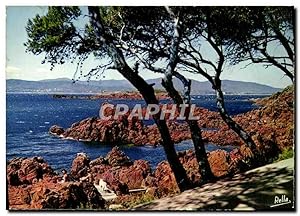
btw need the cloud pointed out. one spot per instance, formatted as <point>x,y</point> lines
<point>13,72</point>
<point>12,69</point>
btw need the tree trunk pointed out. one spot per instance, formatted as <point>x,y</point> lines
<point>147,92</point>
<point>230,122</point>
<point>204,167</point>
<point>201,156</point>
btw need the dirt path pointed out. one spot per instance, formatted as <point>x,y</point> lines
<point>259,189</point>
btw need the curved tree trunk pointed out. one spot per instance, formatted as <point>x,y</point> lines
<point>230,122</point>
<point>204,167</point>
<point>147,92</point>
<point>200,152</point>
<point>201,156</point>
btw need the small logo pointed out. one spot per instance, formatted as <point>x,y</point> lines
<point>281,200</point>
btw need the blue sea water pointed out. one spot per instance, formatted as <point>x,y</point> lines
<point>29,117</point>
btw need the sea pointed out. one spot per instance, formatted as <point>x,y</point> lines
<point>29,117</point>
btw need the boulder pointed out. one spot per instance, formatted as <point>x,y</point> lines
<point>134,175</point>
<point>219,161</point>
<point>117,158</point>
<point>56,130</point>
<point>165,179</point>
<point>120,173</point>
<point>80,166</point>
<point>190,164</point>
<point>113,183</point>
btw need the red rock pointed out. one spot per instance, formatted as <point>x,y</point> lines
<point>112,131</point>
<point>56,130</point>
<point>110,177</point>
<point>98,161</point>
<point>119,171</point>
<point>80,166</point>
<point>45,195</point>
<point>166,182</point>
<point>117,158</point>
<point>134,175</point>
<point>219,162</point>
<point>26,170</point>
<point>149,181</point>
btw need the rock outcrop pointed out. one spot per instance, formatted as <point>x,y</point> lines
<point>22,171</point>
<point>165,179</point>
<point>49,195</point>
<point>271,126</point>
<point>117,158</point>
<point>56,130</point>
<point>131,131</point>
<point>134,175</point>
<point>44,189</point>
<point>80,166</point>
<point>32,184</point>
<point>120,131</point>
<point>120,173</point>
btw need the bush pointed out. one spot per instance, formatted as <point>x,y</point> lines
<point>134,200</point>
<point>285,154</point>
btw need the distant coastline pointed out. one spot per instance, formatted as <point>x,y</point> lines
<point>116,95</point>
<point>67,87</point>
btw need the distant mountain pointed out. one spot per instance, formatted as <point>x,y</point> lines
<point>64,85</point>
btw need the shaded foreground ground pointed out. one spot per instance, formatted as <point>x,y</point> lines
<point>253,190</point>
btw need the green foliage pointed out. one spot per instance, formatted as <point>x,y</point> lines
<point>232,23</point>
<point>139,199</point>
<point>285,154</point>
<point>149,31</point>
<point>53,34</point>
<point>111,16</point>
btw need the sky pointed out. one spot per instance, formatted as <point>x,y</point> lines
<point>26,66</point>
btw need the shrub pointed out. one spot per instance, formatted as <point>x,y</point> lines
<point>285,154</point>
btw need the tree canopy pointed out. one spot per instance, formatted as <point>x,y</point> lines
<point>145,34</point>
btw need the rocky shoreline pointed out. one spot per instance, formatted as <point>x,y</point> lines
<point>272,122</point>
<point>133,131</point>
<point>33,184</point>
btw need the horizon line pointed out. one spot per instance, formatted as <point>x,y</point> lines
<point>65,78</point>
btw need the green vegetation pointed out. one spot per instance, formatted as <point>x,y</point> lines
<point>286,154</point>
<point>141,199</point>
